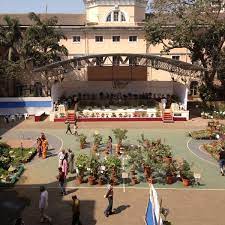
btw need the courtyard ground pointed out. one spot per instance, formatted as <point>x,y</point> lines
<point>193,205</point>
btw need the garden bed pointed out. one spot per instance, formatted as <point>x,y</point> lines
<point>214,148</point>
<point>11,162</point>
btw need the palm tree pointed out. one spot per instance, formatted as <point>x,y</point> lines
<point>10,38</point>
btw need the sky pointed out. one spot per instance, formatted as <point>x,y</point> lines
<point>39,6</point>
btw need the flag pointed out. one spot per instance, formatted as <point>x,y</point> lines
<point>153,216</point>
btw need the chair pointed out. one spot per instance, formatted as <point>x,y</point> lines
<point>26,116</point>
<point>20,116</point>
<point>13,118</point>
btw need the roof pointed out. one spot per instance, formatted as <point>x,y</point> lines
<point>63,19</point>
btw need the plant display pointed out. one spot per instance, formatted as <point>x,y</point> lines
<point>113,167</point>
<point>82,139</point>
<point>11,160</point>
<point>186,173</point>
<point>120,135</point>
<point>203,134</point>
<point>214,148</point>
<point>81,163</point>
<point>97,139</point>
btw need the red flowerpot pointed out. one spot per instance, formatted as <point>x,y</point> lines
<point>91,180</point>
<point>186,182</point>
<point>169,179</point>
<point>78,180</point>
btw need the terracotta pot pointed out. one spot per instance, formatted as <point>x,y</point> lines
<point>186,182</point>
<point>78,180</point>
<point>132,173</point>
<point>81,145</point>
<point>134,180</point>
<point>147,171</point>
<point>169,179</point>
<point>95,148</point>
<point>100,181</point>
<point>167,160</point>
<point>151,180</point>
<point>91,180</point>
<point>114,180</point>
<point>118,146</point>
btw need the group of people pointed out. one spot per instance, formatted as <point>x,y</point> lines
<point>75,128</point>
<point>42,146</point>
<point>43,205</point>
<point>65,166</point>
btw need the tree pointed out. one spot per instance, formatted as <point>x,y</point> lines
<point>41,43</point>
<point>196,25</point>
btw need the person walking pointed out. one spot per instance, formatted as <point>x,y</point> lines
<point>65,166</point>
<point>71,161</point>
<point>39,147</point>
<point>76,211</point>
<point>110,145</point>
<point>44,147</point>
<point>61,179</point>
<point>222,161</point>
<point>68,128</point>
<point>109,196</point>
<point>75,128</point>
<point>43,205</point>
<point>61,157</point>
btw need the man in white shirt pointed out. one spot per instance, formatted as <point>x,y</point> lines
<point>43,205</point>
<point>61,157</point>
<point>163,101</point>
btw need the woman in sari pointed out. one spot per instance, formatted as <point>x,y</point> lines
<point>65,165</point>
<point>44,148</point>
<point>39,147</point>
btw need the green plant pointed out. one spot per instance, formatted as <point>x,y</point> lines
<point>97,139</point>
<point>82,138</point>
<point>113,164</point>
<point>93,164</point>
<point>120,134</point>
<point>81,163</point>
<point>186,172</point>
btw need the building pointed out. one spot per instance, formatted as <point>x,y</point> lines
<point>113,27</point>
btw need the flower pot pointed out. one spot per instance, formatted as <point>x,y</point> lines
<point>100,181</point>
<point>95,148</point>
<point>147,171</point>
<point>169,179</point>
<point>118,146</point>
<point>81,145</point>
<point>78,180</point>
<point>132,173</point>
<point>91,180</point>
<point>114,180</point>
<point>151,180</point>
<point>186,182</point>
<point>167,160</point>
<point>134,181</point>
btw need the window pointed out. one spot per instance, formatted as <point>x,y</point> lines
<point>115,16</point>
<point>116,38</point>
<point>132,38</point>
<point>176,57</point>
<point>123,17</point>
<point>76,39</point>
<point>98,38</point>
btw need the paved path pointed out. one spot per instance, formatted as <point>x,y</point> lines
<point>195,146</point>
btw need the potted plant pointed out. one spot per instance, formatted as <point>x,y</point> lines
<point>93,166</point>
<point>170,173</point>
<point>81,164</point>
<point>113,166</point>
<point>82,139</point>
<point>186,173</point>
<point>97,141</point>
<point>120,135</point>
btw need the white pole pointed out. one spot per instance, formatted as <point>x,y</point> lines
<point>124,188</point>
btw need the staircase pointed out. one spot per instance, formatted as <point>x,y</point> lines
<point>167,117</point>
<point>71,117</point>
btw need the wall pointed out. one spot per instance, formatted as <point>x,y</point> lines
<point>95,87</point>
<point>21,105</point>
